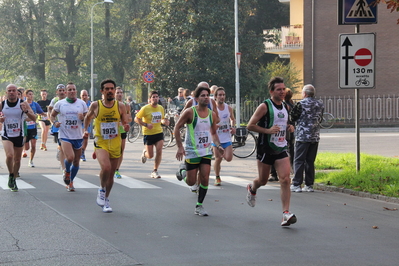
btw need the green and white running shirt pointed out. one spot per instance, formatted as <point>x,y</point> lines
<point>198,136</point>
<point>273,143</point>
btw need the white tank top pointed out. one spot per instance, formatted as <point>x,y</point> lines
<point>224,124</point>
<point>12,126</point>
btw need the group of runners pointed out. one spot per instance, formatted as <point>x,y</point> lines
<point>209,125</point>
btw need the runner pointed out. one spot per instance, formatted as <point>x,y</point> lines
<point>119,98</point>
<point>271,121</point>
<point>84,96</point>
<point>107,139</point>
<point>44,122</point>
<point>31,136</point>
<point>60,91</point>
<point>13,113</point>
<point>200,121</point>
<point>150,118</point>
<point>70,112</point>
<point>225,129</point>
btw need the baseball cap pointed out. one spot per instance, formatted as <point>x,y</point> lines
<point>60,86</point>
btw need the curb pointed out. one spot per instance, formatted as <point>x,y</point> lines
<point>362,194</point>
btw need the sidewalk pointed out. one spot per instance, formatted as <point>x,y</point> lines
<point>32,233</point>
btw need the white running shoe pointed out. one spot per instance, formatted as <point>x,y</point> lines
<point>296,189</point>
<point>155,174</point>
<point>101,197</point>
<point>107,208</point>
<point>251,198</point>
<point>30,164</point>
<point>194,188</point>
<point>308,189</point>
<point>288,219</point>
<point>199,210</point>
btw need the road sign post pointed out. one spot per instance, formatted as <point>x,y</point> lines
<point>357,61</point>
<point>148,77</point>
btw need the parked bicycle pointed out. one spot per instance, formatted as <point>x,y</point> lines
<point>244,143</point>
<point>327,121</point>
<point>134,132</point>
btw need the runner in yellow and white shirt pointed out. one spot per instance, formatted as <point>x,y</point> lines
<point>151,117</point>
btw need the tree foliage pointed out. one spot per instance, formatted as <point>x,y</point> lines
<point>392,5</point>
<point>46,42</point>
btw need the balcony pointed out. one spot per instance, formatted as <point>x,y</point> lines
<point>286,40</point>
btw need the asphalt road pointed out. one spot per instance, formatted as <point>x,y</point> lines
<point>153,222</point>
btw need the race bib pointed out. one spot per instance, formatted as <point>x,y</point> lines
<point>71,122</point>
<point>202,139</point>
<point>109,130</point>
<point>279,138</point>
<point>12,127</point>
<point>156,117</point>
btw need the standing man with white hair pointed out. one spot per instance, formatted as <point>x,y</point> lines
<point>306,114</point>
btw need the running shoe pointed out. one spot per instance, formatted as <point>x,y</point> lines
<point>199,210</point>
<point>194,188</point>
<point>117,174</point>
<point>83,157</point>
<point>24,155</point>
<point>296,189</point>
<point>12,184</point>
<point>181,173</point>
<point>43,147</point>
<point>288,219</point>
<point>101,197</point>
<point>155,174</point>
<point>18,175</point>
<point>143,158</point>
<point>66,177</point>
<point>218,181</point>
<point>107,208</point>
<point>251,198</point>
<point>70,187</point>
<point>30,164</point>
<point>308,189</point>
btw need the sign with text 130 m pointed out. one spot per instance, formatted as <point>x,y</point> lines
<point>357,61</point>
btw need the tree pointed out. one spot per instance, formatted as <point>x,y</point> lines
<point>276,69</point>
<point>192,41</point>
<point>393,5</point>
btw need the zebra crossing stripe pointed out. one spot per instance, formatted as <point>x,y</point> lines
<point>77,182</point>
<point>20,183</point>
<point>130,182</point>
<point>242,182</point>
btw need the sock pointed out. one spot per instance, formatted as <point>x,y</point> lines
<point>74,171</point>
<point>201,194</point>
<point>67,166</point>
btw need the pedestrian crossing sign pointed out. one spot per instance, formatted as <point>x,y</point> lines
<point>357,12</point>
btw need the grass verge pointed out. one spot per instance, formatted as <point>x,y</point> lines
<point>377,175</point>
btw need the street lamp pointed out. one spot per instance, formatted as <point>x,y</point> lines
<point>92,47</point>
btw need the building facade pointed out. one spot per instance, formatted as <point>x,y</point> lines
<point>317,55</point>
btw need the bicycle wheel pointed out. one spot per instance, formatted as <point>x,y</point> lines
<point>244,149</point>
<point>133,133</point>
<point>167,136</point>
<point>328,120</point>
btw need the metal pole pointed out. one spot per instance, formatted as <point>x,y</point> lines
<point>238,115</point>
<point>357,122</point>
